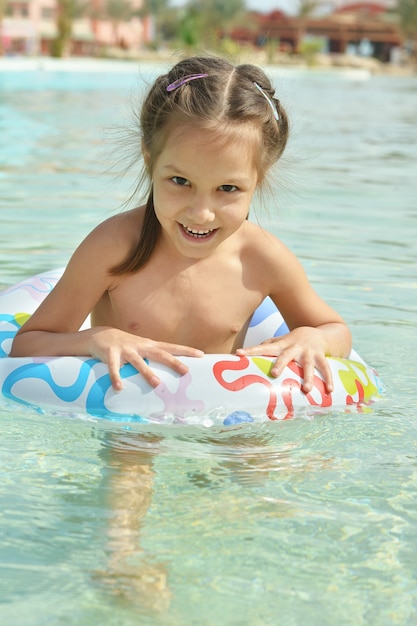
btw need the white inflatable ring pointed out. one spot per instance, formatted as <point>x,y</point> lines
<point>218,389</point>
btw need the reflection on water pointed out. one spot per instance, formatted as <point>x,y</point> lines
<point>128,482</point>
<point>243,521</point>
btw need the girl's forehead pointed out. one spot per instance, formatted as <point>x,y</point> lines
<point>201,154</point>
<point>223,139</point>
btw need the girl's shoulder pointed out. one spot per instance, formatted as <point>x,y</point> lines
<point>123,229</point>
<point>122,223</point>
<point>113,238</point>
<point>263,249</point>
<point>261,241</point>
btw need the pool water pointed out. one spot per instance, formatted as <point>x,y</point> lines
<point>309,521</point>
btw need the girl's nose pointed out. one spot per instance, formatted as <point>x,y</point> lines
<point>200,211</point>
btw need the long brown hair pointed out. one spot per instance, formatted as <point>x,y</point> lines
<point>227,98</point>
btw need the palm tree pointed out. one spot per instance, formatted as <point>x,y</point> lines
<point>212,16</point>
<point>306,9</point>
<point>67,11</point>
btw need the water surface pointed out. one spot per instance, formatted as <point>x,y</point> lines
<point>301,522</point>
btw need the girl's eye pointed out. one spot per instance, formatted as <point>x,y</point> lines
<point>179,180</point>
<point>228,188</point>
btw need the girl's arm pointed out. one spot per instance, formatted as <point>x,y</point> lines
<point>316,330</point>
<point>53,330</point>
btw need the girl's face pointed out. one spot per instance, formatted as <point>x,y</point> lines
<point>203,185</point>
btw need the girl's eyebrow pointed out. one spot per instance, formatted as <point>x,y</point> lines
<point>232,179</point>
<point>168,166</point>
<point>170,169</point>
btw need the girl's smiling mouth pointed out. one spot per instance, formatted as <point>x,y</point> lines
<point>197,233</point>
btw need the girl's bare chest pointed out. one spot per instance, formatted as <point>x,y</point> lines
<point>211,313</point>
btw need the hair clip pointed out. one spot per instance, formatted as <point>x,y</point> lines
<point>269,101</point>
<point>184,80</point>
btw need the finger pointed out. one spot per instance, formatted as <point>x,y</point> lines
<point>323,367</point>
<point>326,372</point>
<point>144,370</point>
<point>159,356</point>
<point>168,359</point>
<point>282,361</point>
<point>179,350</point>
<point>308,376</point>
<point>263,349</point>
<point>114,365</point>
<point>149,375</point>
<point>278,367</point>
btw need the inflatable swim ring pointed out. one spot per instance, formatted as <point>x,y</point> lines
<point>219,388</point>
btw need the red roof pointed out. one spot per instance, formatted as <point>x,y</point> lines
<point>277,15</point>
<point>272,18</point>
<point>356,7</point>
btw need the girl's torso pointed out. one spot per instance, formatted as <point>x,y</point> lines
<point>205,303</point>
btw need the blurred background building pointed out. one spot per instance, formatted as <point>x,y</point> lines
<point>33,26</point>
<point>131,27</point>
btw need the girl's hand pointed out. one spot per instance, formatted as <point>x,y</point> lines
<point>306,345</point>
<point>116,347</point>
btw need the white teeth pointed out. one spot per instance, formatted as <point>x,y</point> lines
<point>197,233</point>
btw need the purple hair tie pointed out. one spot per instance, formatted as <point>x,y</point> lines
<point>184,80</point>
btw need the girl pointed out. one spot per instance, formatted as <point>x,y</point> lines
<point>184,274</point>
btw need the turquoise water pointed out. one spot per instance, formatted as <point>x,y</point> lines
<point>302,522</point>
